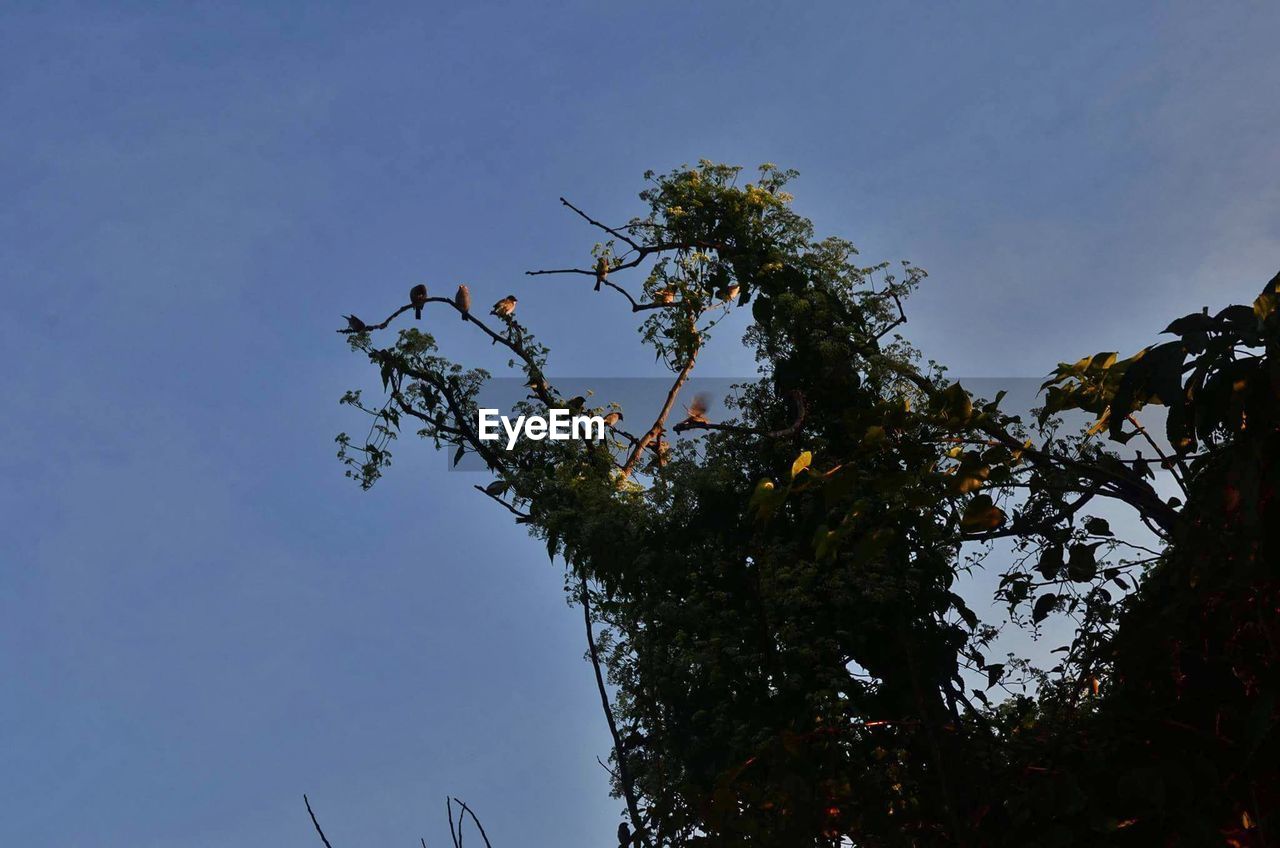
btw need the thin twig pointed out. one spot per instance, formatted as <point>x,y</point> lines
<point>323,838</point>
<point>628,790</point>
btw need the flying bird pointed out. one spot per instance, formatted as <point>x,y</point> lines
<point>355,325</point>
<point>462,300</point>
<point>418,297</point>
<point>506,307</point>
<point>602,271</point>
<point>697,413</point>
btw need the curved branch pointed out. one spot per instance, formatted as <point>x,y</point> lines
<point>323,838</point>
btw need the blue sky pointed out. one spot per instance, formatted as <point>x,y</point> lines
<point>202,619</point>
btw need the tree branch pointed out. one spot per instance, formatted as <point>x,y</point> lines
<point>624,774</point>
<point>323,838</point>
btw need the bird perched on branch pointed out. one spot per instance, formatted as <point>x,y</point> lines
<point>418,297</point>
<point>729,292</point>
<point>612,419</point>
<point>602,271</point>
<point>462,300</point>
<point>697,413</point>
<point>506,307</point>
<point>536,384</point>
<point>624,835</point>
<point>355,325</point>
<point>666,295</point>
<point>576,403</point>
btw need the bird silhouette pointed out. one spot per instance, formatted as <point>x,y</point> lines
<point>505,307</point>
<point>602,271</point>
<point>624,835</point>
<point>418,297</point>
<point>462,300</point>
<point>355,325</point>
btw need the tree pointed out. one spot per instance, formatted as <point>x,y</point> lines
<point>792,664</point>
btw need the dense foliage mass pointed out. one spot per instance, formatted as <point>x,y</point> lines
<point>793,664</point>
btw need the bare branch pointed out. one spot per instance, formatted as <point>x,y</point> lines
<point>511,509</point>
<point>628,789</point>
<point>323,838</point>
<point>790,430</point>
<point>660,422</point>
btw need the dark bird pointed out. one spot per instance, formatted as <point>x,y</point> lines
<point>418,297</point>
<point>505,307</point>
<point>697,413</point>
<point>602,271</point>
<point>462,300</point>
<point>496,488</point>
<point>612,419</point>
<point>624,835</point>
<point>355,325</point>
<point>576,403</point>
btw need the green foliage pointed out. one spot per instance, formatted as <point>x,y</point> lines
<point>792,662</point>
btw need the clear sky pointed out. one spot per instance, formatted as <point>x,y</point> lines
<point>201,619</point>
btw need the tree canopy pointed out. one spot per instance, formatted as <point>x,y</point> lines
<point>776,592</point>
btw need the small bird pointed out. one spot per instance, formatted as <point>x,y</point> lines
<point>536,384</point>
<point>576,403</point>
<point>697,413</point>
<point>612,419</point>
<point>624,835</point>
<point>355,325</point>
<point>602,271</point>
<point>462,300</point>
<point>496,488</point>
<point>506,307</point>
<point>729,292</point>
<point>418,297</point>
<point>666,295</point>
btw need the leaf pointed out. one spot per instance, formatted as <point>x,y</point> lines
<point>1044,605</point>
<point>969,616</point>
<point>457,457</point>
<point>1050,565</point>
<point>994,673</point>
<point>1082,566</point>
<point>801,463</point>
